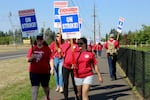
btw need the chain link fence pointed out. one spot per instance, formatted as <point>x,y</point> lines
<point>136,65</point>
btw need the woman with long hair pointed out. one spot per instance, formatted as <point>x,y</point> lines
<point>55,47</point>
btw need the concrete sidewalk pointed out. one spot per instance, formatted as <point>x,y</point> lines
<point>108,90</point>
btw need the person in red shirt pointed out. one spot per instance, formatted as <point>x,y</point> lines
<point>85,63</point>
<point>68,50</point>
<point>39,57</point>
<point>94,49</point>
<point>89,47</point>
<point>55,47</point>
<point>112,55</point>
<point>99,49</point>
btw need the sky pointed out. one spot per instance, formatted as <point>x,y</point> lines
<point>108,12</point>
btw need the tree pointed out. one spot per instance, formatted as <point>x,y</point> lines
<point>1,34</point>
<point>113,31</point>
<point>49,35</point>
<point>139,36</point>
<point>18,35</point>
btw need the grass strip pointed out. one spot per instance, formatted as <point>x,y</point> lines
<point>15,83</point>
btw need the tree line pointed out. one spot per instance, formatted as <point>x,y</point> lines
<point>137,37</point>
<point>141,36</point>
<point>11,37</point>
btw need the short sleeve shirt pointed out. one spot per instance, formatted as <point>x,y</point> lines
<point>84,63</point>
<point>68,54</point>
<point>41,62</point>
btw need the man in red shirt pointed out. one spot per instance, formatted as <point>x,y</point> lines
<point>39,57</point>
<point>112,47</point>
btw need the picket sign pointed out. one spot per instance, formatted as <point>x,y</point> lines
<point>70,22</point>
<point>120,26</point>
<point>57,6</point>
<point>28,21</point>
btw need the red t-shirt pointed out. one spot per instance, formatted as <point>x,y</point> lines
<point>40,64</point>
<point>116,43</point>
<point>94,47</point>
<point>84,62</point>
<point>52,47</point>
<point>68,54</point>
<point>99,46</point>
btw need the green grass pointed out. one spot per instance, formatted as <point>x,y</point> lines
<point>15,83</point>
<point>140,48</point>
<point>8,48</point>
<point>21,91</point>
<point>18,91</point>
<point>147,49</point>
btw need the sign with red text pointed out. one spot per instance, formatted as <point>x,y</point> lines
<point>28,21</point>
<point>70,22</point>
<point>57,6</point>
<point>120,24</point>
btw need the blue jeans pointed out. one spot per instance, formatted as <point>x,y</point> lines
<point>58,71</point>
<point>112,65</point>
<point>99,53</point>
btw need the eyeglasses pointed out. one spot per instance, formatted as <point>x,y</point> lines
<point>57,36</point>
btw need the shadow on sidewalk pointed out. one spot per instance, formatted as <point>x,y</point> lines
<point>109,95</point>
<point>106,96</point>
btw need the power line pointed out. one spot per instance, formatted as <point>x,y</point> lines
<point>86,25</point>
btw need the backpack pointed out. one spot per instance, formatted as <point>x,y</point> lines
<point>111,48</point>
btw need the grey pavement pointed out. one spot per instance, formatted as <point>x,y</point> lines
<point>108,90</point>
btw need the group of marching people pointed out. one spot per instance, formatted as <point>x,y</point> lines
<point>96,48</point>
<point>62,58</point>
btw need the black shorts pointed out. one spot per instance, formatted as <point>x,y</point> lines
<point>39,79</point>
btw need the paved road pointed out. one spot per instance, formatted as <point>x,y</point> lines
<point>13,54</point>
<point>108,90</point>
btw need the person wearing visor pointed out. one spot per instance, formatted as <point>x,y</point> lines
<point>39,56</point>
<point>85,63</point>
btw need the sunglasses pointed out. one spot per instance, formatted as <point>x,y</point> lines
<point>57,36</point>
<point>80,43</point>
<point>39,39</point>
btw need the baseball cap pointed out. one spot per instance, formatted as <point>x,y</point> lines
<point>111,35</point>
<point>39,37</point>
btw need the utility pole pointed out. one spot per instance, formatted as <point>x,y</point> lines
<point>94,15</point>
<point>12,25</point>
<point>99,33</point>
<point>44,30</point>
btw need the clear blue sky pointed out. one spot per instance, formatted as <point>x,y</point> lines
<point>135,12</point>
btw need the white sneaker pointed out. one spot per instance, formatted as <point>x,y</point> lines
<point>57,89</point>
<point>61,90</point>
